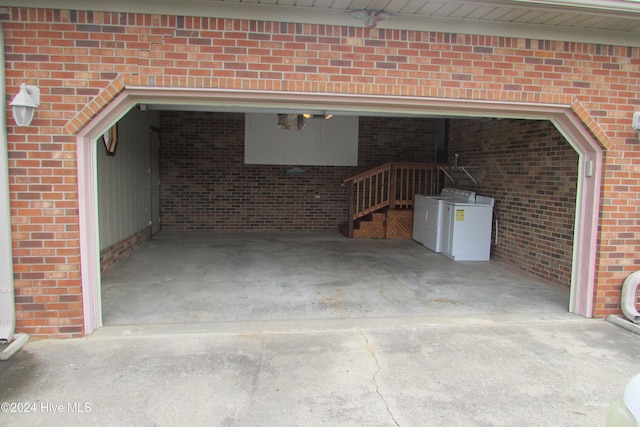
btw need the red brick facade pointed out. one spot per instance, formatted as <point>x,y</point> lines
<point>82,60</point>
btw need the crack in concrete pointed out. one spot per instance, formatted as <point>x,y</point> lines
<point>373,378</point>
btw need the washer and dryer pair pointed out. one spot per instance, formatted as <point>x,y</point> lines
<point>456,222</point>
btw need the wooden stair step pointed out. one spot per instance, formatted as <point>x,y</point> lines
<point>389,224</point>
<point>373,229</point>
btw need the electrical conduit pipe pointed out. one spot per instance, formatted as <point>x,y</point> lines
<point>12,341</point>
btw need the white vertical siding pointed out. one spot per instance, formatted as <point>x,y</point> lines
<point>123,181</point>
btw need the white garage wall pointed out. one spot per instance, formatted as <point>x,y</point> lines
<point>332,142</point>
<point>124,202</point>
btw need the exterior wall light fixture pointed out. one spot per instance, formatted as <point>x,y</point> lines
<point>24,104</point>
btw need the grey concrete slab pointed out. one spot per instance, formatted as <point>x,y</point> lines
<point>213,277</point>
<point>317,330</point>
<point>559,371</point>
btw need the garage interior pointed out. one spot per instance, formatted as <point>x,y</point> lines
<point>190,232</point>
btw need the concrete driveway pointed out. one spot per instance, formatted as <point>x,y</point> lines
<point>492,370</point>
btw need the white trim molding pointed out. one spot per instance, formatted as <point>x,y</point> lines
<point>562,116</point>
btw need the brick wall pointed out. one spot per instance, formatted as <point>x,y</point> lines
<point>82,60</point>
<point>531,171</point>
<point>205,184</point>
<point>396,139</point>
<point>114,254</point>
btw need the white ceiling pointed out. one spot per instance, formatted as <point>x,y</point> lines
<point>614,15</point>
<point>596,21</point>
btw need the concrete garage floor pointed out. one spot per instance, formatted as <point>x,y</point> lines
<point>462,344</point>
<point>209,277</point>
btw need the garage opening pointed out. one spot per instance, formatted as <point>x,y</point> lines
<point>202,185</point>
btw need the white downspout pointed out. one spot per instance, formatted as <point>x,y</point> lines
<point>7,298</point>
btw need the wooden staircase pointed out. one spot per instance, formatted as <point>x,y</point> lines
<point>384,224</point>
<point>381,199</point>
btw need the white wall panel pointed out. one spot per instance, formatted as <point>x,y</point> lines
<point>123,180</point>
<point>332,142</point>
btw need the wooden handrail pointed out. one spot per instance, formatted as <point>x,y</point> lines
<point>367,172</point>
<point>393,185</point>
<point>345,180</point>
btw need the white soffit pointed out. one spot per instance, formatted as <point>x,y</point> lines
<point>615,22</point>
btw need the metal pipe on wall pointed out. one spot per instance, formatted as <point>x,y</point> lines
<point>7,292</point>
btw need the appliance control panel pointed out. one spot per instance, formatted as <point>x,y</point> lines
<point>459,195</point>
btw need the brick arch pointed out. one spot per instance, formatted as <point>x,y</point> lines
<point>99,103</point>
<point>118,85</point>
<point>571,119</point>
<point>583,114</point>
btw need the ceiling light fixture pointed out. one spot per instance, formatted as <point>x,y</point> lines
<point>24,104</point>
<point>325,116</point>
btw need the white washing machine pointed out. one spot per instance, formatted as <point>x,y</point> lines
<point>428,214</point>
<point>466,229</point>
